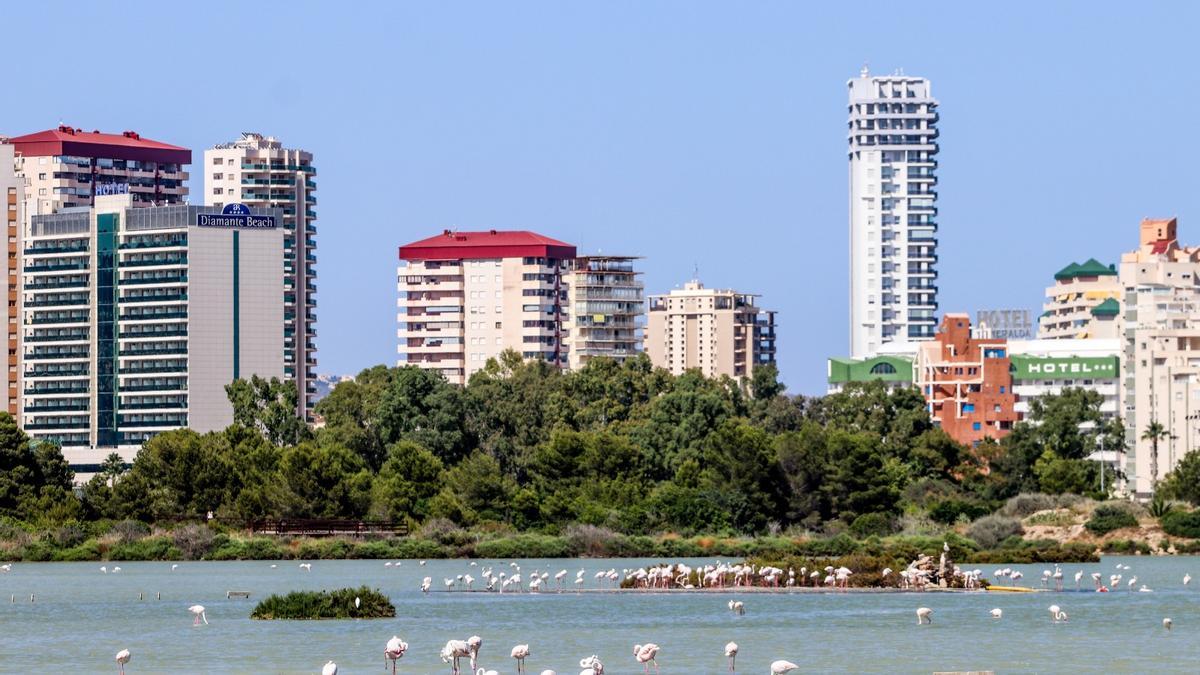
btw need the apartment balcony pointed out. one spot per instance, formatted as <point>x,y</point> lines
<point>68,405</point>
<point>56,249</point>
<point>53,426</point>
<point>73,337</point>
<point>154,407</point>
<point>433,286</point>
<point>433,346</point>
<point>46,303</point>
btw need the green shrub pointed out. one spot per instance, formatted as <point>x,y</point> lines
<point>419,548</point>
<point>1181,524</point>
<point>524,546</point>
<point>149,548</point>
<point>989,531</point>
<point>257,548</point>
<point>1127,547</point>
<point>87,551</point>
<point>1108,517</point>
<point>948,511</point>
<point>337,604</point>
<point>873,524</point>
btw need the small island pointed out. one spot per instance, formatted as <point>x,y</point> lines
<point>339,604</point>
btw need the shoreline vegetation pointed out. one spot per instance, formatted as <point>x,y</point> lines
<point>345,603</point>
<point>611,460</point>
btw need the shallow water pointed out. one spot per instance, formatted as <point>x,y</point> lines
<point>82,617</point>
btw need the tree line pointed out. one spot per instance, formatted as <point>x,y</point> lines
<point>524,446</point>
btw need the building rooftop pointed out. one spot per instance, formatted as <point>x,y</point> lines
<point>1091,268</point>
<point>72,142</point>
<point>451,245</point>
<point>1109,307</point>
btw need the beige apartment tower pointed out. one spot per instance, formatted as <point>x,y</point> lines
<point>1160,371</point>
<point>607,309</point>
<point>12,187</point>
<point>718,332</point>
<point>1083,303</point>
<point>261,173</point>
<point>464,297</point>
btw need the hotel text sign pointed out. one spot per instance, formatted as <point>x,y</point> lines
<point>1012,324</point>
<point>1051,368</point>
<point>235,215</point>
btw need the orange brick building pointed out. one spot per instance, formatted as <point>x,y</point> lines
<point>967,382</point>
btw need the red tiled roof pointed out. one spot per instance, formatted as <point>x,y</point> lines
<point>1161,246</point>
<point>490,244</point>
<point>78,143</point>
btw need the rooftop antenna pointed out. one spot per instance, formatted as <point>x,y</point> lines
<point>866,70</point>
<point>695,271</point>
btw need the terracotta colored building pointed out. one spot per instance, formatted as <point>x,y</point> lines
<point>967,382</point>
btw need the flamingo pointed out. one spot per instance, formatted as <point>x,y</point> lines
<point>558,579</point>
<point>782,667</point>
<point>481,671</point>
<point>116,569</point>
<point>924,615</point>
<point>519,653</point>
<point>548,672</point>
<point>357,602</point>
<point>394,651</point>
<point>997,613</point>
<point>104,569</point>
<point>307,567</point>
<point>123,657</point>
<point>1057,615</point>
<point>198,612</point>
<point>174,567</point>
<point>731,650</point>
<point>1187,579</point>
<point>591,666</point>
<point>1166,624</point>
<point>473,644</point>
<point>329,669</point>
<point>453,651</point>
<point>425,583</point>
<point>645,655</point>
<point>737,607</point>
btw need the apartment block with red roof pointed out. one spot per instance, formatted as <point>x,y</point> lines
<point>467,296</point>
<point>67,167</point>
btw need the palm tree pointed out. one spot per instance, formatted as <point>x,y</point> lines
<point>1154,432</point>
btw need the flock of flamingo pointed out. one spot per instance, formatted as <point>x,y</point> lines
<point>455,650</point>
<point>671,577</point>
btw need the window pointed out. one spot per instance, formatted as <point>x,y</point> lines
<point>218,191</point>
<point>883,368</point>
<point>976,426</point>
<point>1002,388</point>
<point>218,176</point>
<point>968,408</point>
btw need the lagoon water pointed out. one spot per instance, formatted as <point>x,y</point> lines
<point>82,617</point>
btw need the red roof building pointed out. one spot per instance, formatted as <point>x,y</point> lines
<point>128,145</point>
<point>69,167</point>
<point>491,244</point>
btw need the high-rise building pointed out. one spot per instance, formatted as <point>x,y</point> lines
<point>1160,329</point>
<point>260,172</point>
<point>135,319</point>
<point>718,332</point>
<point>893,211</point>
<point>467,296</point>
<point>606,309</point>
<point>12,187</point>
<point>1083,303</point>
<point>967,382</point>
<point>67,167</point>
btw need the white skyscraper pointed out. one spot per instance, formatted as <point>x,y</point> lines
<point>893,213</point>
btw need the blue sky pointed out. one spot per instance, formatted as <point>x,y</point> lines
<point>693,133</point>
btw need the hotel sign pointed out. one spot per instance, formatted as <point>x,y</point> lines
<point>112,189</point>
<point>1057,368</point>
<point>235,215</point>
<point>1011,324</point>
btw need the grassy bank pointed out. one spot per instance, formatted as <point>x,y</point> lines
<point>132,540</point>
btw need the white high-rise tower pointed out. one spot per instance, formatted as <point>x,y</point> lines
<point>893,211</point>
